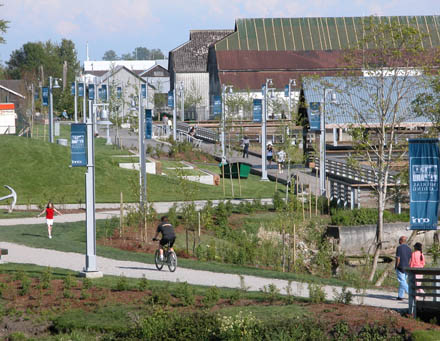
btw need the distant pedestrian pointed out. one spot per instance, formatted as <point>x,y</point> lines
<point>245,144</point>
<point>281,158</point>
<point>49,210</point>
<point>403,256</point>
<point>269,154</point>
<point>170,125</point>
<point>418,261</point>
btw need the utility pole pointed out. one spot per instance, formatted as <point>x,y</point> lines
<point>263,131</point>
<point>76,102</point>
<point>142,168</point>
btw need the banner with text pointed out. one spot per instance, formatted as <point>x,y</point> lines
<point>170,99</point>
<point>144,90</point>
<point>217,105</point>
<point>78,145</point>
<point>315,116</point>
<point>80,89</point>
<point>92,91</point>
<point>72,88</point>
<point>45,95</point>
<point>103,92</point>
<point>148,124</point>
<point>424,183</point>
<point>257,110</point>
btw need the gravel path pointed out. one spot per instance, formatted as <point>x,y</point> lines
<point>76,262</point>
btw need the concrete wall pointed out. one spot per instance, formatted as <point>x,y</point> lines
<point>358,240</point>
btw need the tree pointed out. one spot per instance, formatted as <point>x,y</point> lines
<point>376,105</point>
<point>110,55</point>
<point>3,28</point>
<point>428,104</point>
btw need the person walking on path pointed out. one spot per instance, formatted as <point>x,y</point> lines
<point>269,154</point>
<point>418,261</point>
<point>246,144</point>
<point>49,217</point>
<point>281,158</point>
<point>403,256</point>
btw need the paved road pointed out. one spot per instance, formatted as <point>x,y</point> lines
<point>76,262</point>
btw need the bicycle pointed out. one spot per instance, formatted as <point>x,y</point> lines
<point>169,257</point>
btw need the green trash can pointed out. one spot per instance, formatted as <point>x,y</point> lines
<point>244,170</point>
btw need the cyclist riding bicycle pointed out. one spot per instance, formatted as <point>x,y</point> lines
<point>168,235</point>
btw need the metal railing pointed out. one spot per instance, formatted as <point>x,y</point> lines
<point>206,134</point>
<point>424,289</point>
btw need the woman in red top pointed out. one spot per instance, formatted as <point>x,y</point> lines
<point>49,217</point>
<point>417,261</point>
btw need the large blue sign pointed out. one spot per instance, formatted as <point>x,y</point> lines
<point>286,91</point>
<point>78,144</point>
<point>170,99</point>
<point>315,116</point>
<point>80,89</point>
<point>45,95</point>
<point>148,124</point>
<point>92,91</point>
<point>424,169</point>
<point>217,105</point>
<point>72,88</point>
<point>144,90</point>
<point>257,110</point>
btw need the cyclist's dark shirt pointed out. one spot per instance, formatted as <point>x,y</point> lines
<point>167,231</point>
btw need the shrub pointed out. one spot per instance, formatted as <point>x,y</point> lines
<point>185,293</point>
<point>316,293</point>
<point>68,282</point>
<point>271,292</point>
<point>87,283</point>
<point>25,285</point>
<point>211,297</point>
<point>239,327</point>
<point>84,295</point>
<point>173,216</point>
<point>235,296</point>
<point>161,296</point>
<point>122,284</point>
<point>278,202</point>
<point>143,284</point>
<point>345,296</point>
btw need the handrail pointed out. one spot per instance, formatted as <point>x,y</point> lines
<point>428,286</point>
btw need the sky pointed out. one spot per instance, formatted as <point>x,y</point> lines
<point>123,25</point>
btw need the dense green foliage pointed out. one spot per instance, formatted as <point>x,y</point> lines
<point>139,53</point>
<point>364,216</point>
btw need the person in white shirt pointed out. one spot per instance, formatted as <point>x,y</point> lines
<point>281,158</point>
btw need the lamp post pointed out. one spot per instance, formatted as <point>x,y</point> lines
<point>76,101</point>
<point>322,154</point>
<point>174,113</point>
<point>104,121</point>
<point>263,130</point>
<point>225,88</point>
<point>292,82</point>
<point>51,87</point>
<point>182,101</point>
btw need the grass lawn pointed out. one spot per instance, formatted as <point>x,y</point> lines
<point>70,237</point>
<point>39,171</point>
<point>17,214</point>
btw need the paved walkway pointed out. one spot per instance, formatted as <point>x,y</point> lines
<point>76,262</point>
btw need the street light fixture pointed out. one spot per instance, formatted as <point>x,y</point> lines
<point>264,129</point>
<point>322,154</point>
<point>55,85</point>
<point>225,88</point>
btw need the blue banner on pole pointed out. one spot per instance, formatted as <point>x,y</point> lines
<point>72,88</point>
<point>315,116</point>
<point>119,92</point>
<point>92,91</point>
<point>170,99</point>
<point>78,144</point>
<point>424,183</point>
<point>45,95</point>
<point>217,105</point>
<point>257,110</point>
<point>148,124</point>
<point>144,90</point>
<point>286,91</point>
<point>103,92</point>
<point>263,89</point>
<point>80,89</point>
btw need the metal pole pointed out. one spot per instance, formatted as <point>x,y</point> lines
<point>174,114</point>
<point>182,102</point>
<point>50,111</point>
<point>142,169</point>
<point>263,138</point>
<point>84,101</point>
<point>222,133</point>
<point>90,197</point>
<point>76,103</point>
<point>94,102</point>
<point>322,151</point>
<point>290,100</point>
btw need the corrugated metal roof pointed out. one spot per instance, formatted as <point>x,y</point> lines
<point>358,99</point>
<point>307,34</point>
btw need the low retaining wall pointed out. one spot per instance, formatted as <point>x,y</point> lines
<point>358,240</point>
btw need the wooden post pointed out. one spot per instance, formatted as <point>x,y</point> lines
<point>310,202</point>
<point>328,194</point>
<point>186,235</point>
<point>316,194</point>
<point>239,180</point>
<point>284,249</point>
<point>232,183</point>
<point>276,181</point>
<point>198,213</point>
<point>121,217</point>
<point>294,244</point>
<point>302,201</point>
<point>223,176</point>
